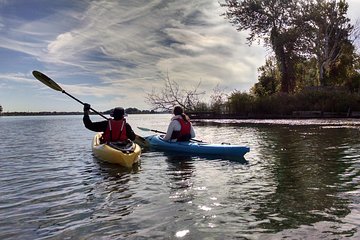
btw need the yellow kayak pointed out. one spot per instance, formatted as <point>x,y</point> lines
<point>123,155</point>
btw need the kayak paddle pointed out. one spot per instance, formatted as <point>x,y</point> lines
<point>157,131</point>
<point>52,84</point>
<point>150,130</point>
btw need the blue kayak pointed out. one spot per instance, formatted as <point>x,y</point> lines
<point>156,142</point>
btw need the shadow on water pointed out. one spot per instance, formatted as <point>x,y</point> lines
<point>115,170</point>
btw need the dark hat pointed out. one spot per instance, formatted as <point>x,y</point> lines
<point>178,110</point>
<point>117,113</point>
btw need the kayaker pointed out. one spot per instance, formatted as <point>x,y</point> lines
<point>180,128</point>
<point>114,130</point>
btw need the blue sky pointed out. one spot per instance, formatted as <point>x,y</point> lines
<point>112,53</point>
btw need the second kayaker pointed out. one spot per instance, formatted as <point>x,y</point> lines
<point>180,127</point>
<point>114,130</point>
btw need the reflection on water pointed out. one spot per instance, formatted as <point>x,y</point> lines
<point>300,180</point>
<point>180,171</point>
<point>303,176</point>
<point>307,172</point>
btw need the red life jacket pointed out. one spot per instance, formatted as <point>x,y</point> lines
<point>185,131</point>
<point>115,131</point>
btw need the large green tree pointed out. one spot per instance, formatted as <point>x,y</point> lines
<point>276,23</point>
<point>328,30</point>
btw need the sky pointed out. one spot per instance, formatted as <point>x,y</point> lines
<point>114,53</point>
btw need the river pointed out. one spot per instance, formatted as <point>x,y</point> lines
<point>300,180</point>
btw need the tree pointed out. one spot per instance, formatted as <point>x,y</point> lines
<point>268,80</point>
<point>172,95</point>
<point>275,22</point>
<point>240,102</point>
<point>1,109</point>
<point>218,99</point>
<point>327,35</point>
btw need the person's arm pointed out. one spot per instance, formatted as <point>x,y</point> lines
<point>129,132</point>
<point>93,126</point>
<point>169,131</point>
<point>192,131</point>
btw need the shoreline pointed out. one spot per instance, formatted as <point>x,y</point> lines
<point>210,115</point>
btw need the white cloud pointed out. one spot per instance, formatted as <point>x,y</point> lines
<point>16,77</point>
<point>61,41</point>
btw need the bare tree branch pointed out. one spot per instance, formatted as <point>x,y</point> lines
<point>172,95</point>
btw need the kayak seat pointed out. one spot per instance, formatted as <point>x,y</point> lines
<point>125,147</point>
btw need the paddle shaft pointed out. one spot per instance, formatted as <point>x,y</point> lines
<point>63,91</point>
<point>157,131</point>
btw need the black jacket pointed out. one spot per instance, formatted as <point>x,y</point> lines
<point>101,127</point>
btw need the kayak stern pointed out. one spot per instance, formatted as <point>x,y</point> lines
<point>111,155</point>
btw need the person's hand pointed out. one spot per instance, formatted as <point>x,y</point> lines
<point>86,107</point>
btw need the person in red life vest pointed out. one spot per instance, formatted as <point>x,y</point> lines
<point>114,130</point>
<point>180,128</point>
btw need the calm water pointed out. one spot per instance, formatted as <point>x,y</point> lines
<point>299,181</point>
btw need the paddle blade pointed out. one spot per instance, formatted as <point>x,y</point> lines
<point>46,80</point>
<point>141,141</point>
<point>144,129</point>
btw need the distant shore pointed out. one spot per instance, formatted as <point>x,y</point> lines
<point>212,115</point>
<point>64,113</point>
